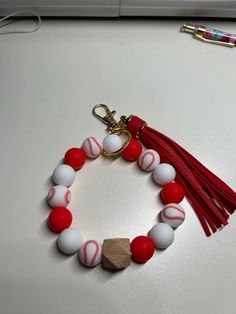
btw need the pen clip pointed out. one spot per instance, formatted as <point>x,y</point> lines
<point>211,41</point>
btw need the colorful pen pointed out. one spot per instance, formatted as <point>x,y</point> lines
<point>208,35</point>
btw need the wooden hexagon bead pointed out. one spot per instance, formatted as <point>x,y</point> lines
<point>116,253</point>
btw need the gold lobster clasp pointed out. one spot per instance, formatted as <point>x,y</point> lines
<point>115,127</point>
<point>107,118</point>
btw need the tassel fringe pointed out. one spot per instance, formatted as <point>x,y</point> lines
<point>212,199</point>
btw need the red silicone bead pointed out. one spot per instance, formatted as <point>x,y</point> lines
<point>172,193</point>
<point>75,157</point>
<point>59,219</point>
<point>142,249</point>
<point>132,151</point>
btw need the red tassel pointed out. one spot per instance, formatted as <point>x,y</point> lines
<point>212,199</point>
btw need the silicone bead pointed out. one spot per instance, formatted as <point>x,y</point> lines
<point>164,173</point>
<point>92,147</point>
<point>75,157</point>
<point>69,241</point>
<point>64,175</point>
<point>59,219</point>
<point>90,253</point>
<point>59,196</point>
<point>142,249</point>
<point>162,235</point>
<point>149,159</point>
<point>173,215</point>
<point>112,143</point>
<point>172,193</point>
<point>132,151</point>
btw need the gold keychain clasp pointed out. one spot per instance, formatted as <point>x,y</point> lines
<point>108,118</point>
<point>113,126</point>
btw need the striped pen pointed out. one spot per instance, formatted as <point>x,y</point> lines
<point>209,35</point>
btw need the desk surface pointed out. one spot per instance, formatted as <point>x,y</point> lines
<point>49,82</point>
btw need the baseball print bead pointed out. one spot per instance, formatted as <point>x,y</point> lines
<point>172,193</point>
<point>142,249</point>
<point>173,215</point>
<point>132,151</point>
<point>164,173</point>
<point>59,196</point>
<point>75,157</point>
<point>69,241</point>
<point>112,143</point>
<point>114,253</point>
<point>90,253</point>
<point>92,147</point>
<point>59,219</point>
<point>63,175</point>
<point>162,235</point>
<point>149,159</point>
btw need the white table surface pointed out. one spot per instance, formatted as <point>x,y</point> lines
<point>49,82</point>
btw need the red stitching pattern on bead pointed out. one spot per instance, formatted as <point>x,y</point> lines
<point>151,162</point>
<point>95,254</point>
<point>98,144</point>
<point>174,217</point>
<point>51,194</point>
<point>67,197</point>
<point>91,146</point>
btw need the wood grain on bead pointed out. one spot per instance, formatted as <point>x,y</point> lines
<point>116,253</point>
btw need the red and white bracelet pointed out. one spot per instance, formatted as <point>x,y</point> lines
<point>115,253</point>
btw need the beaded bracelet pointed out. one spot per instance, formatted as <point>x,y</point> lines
<point>115,253</point>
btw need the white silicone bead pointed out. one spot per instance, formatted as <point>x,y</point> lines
<point>149,159</point>
<point>162,235</point>
<point>112,143</point>
<point>173,215</point>
<point>164,173</point>
<point>58,196</point>
<point>90,253</point>
<point>69,241</point>
<point>92,147</point>
<point>63,175</point>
